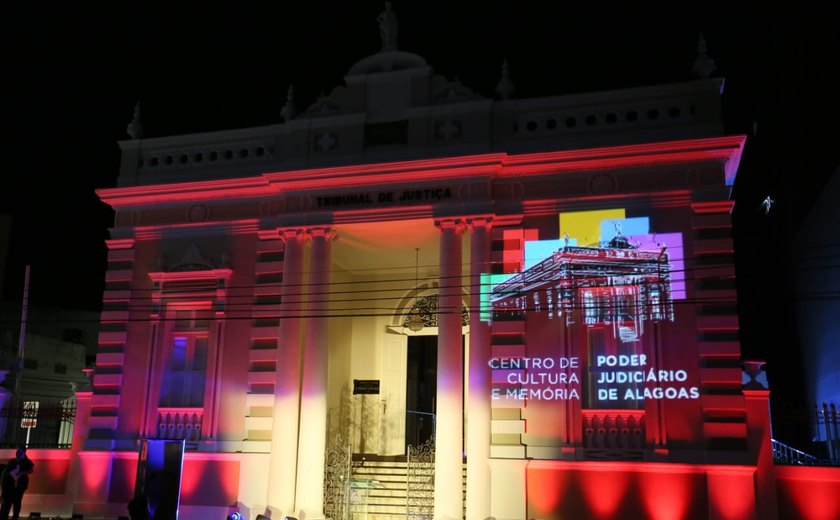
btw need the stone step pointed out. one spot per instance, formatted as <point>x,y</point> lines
<point>394,508</point>
<point>389,501</point>
<point>385,469</point>
<point>381,471</point>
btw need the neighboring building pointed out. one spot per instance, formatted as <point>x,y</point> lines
<point>74,326</point>
<point>41,401</point>
<point>551,279</point>
<point>815,252</point>
<point>52,369</point>
<point>58,344</point>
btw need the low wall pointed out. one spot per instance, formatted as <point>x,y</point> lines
<point>808,492</point>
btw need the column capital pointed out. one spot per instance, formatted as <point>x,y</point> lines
<point>455,223</point>
<point>479,221</point>
<point>329,233</point>
<point>289,234</point>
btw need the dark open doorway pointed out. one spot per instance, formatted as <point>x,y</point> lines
<point>421,389</point>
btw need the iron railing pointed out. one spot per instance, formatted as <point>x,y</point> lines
<point>45,423</point>
<point>784,454</point>
<point>806,437</point>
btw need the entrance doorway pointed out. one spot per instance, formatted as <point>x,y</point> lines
<point>421,389</point>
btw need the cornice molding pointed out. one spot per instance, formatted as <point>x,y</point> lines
<point>723,150</point>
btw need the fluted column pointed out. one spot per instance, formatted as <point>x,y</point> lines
<point>478,405</point>
<point>449,502</point>
<point>313,406</point>
<point>282,474</point>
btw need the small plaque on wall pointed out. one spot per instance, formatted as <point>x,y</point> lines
<point>365,386</point>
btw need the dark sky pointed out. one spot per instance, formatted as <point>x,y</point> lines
<point>72,73</point>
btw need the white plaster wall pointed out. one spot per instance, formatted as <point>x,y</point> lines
<point>507,489</point>
<point>253,481</point>
<point>393,393</point>
<point>340,355</point>
<point>365,364</point>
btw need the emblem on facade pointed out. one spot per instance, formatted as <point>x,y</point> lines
<point>198,213</point>
<point>602,184</point>
<point>326,141</point>
<point>448,130</point>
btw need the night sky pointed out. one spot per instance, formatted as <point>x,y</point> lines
<point>72,74</point>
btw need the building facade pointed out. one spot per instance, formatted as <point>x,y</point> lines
<point>548,281</point>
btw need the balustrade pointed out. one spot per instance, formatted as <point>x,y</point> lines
<point>180,423</point>
<point>613,429</point>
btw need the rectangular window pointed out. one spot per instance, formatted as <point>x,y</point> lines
<point>183,380</point>
<point>190,319</point>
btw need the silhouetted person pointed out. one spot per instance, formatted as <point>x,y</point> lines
<point>14,481</point>
<point>138,508</point>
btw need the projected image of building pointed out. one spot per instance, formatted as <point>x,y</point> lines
<point>617,285</point>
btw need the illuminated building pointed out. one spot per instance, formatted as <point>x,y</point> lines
<point>257,277</point>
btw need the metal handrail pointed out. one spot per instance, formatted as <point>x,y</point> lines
<point>784,454</point>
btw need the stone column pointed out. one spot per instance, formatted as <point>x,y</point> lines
<point>282,472</point>
<point>478,404</point>
<point>449,502</point>
<point>313,406</point>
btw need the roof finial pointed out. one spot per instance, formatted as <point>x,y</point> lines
<point>388,28</point>
<point>289,110</point>
<point>135,127</point>
<point>504,88</point>
<point>703,65</point>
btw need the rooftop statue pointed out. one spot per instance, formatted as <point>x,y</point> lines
<point>388,28</point>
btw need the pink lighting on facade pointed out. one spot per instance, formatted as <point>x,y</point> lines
<point>207,479</point>
<point>808,493</point>
<point>191,476</point>
<point>604,491</point>
<point>95,476</point>
<point>731,493</point>
<point>558,490</point>
<point>667,495</point>
<point>52,467</point>
<point>545,491</point>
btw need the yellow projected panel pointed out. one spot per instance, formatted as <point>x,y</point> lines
<point>585,226</point>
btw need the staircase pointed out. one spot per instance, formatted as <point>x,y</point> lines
<point>386,499</point>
